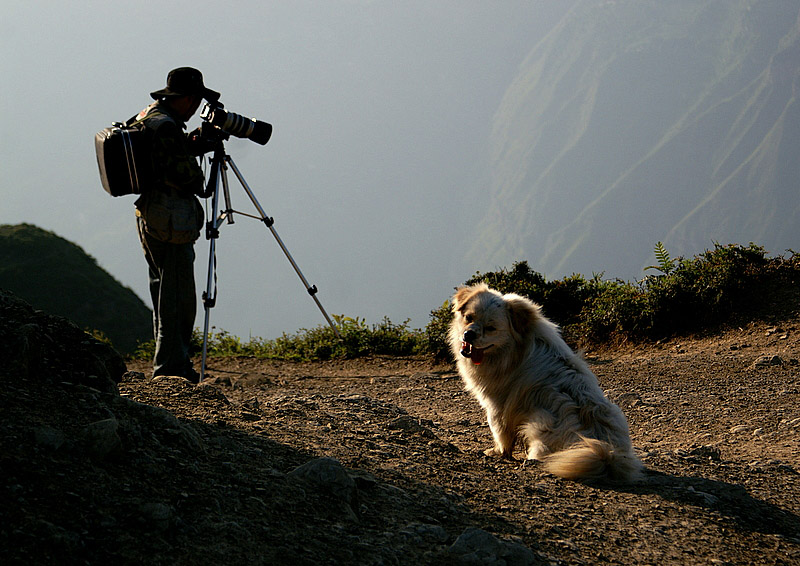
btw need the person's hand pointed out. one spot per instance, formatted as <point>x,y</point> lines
<point>200,144</point>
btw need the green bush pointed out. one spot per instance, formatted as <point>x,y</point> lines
<point>693,295</point>
<point>358,339</point>
<point>616,309</point>
<point>562,300</point>
<point>435,334</point>
<point>688,296</point>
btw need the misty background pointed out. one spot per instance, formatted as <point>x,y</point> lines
<point>417,143</point>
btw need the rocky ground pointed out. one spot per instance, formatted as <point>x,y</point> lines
<point>379,461</point>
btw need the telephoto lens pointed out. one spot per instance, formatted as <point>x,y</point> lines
<point>237,125</point>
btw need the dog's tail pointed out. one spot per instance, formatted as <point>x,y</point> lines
<point>594,459</point>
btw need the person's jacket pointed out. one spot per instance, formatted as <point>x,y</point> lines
<point>173,165</point>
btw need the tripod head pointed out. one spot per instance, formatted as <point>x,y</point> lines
<point>209,139</point>
<point>206,138</point>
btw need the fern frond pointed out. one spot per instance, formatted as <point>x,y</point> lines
<point>665,263</point>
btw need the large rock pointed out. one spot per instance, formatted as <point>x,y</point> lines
<point>328,476</point>
<point>34,344</point>
<point>478,547</point>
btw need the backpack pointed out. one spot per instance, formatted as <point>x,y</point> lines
<point>124,157</point>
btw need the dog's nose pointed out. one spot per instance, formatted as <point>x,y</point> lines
<point>470,335</point>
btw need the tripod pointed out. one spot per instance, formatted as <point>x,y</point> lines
<point>219,168</point>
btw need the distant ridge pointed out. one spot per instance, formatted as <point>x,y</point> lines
<point>642,121</point>
<point>58,277</point>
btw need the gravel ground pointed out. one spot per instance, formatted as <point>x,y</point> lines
<point>379,461</point>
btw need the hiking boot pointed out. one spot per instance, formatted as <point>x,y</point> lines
<point>192,376</point>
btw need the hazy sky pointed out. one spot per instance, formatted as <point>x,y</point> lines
<point>375,172</point>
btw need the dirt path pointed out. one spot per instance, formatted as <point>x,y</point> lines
<point>717,426</point>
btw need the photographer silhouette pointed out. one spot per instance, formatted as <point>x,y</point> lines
<point>169,219</point>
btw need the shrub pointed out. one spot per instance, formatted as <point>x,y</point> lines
<point>689,295</point>
<point>562,300</point>
<point>435,334</point>
<point>357,339</point>
<point>617,309</point>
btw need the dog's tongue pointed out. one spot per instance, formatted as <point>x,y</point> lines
<point>476,354</point>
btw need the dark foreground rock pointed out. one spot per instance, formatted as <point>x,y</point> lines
<point>51,348</point>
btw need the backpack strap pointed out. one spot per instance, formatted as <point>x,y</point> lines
<point>148,112</point>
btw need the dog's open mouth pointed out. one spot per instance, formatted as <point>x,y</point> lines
<point>473,353</point>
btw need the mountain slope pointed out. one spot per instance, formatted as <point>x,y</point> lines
<point>635,122</point>
<point>58,277</point>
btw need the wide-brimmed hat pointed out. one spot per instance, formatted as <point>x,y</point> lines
<point>185,81</point>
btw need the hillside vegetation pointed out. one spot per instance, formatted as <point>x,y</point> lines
<point>58,277</point>
<point>729,285</point>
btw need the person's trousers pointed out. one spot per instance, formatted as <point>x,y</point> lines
<point>172,290</point>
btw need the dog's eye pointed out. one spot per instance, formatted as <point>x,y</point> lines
<point>490,329</point>
<point>469,318</point>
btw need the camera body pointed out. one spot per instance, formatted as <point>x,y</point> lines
<point>236,124</point>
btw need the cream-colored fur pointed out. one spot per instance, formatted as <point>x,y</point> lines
<point>534,387</point>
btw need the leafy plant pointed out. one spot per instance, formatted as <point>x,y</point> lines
<point>665,264</point>
<point>435,334</point>
<point>690,295</point>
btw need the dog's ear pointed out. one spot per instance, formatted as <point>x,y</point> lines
<point>463,294</point>
<point>522,312</point>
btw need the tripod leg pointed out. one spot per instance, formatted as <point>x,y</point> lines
<point>212,233</point>
<point>312,289</point>
<point>208,301</point>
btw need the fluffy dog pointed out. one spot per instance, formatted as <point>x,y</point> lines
<point>534,387</point>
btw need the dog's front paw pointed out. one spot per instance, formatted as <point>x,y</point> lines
<point>537,451</point>
<point>498,453</point>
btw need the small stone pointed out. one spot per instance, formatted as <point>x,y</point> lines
<point>329,476</point>
<point>100,438</point>
<point>158,515</point>
<point>768,360</point>
<point>49,438</point>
